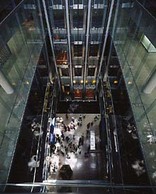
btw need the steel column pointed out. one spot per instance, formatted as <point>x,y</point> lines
<point>86,47</point>
<point>69,44</point>
<point>105,41</point>
<point>51,42</point>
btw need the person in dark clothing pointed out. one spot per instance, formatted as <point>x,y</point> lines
<point>51,128</point>
<point>66,116</point>
<point>67,139</point>
<point>87,133</point>
<point>82,140</point>
<point>62,135</point>
<point>88,125</point>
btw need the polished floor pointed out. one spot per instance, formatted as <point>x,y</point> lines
<point>88,161</point>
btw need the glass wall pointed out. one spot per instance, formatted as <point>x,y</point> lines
<point>135,43</point>
<point>21,43</point>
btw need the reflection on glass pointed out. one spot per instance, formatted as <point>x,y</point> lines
<point>78,71</point>
<point>78,18</point>
<point>78,50</point>
<point>59,18</point>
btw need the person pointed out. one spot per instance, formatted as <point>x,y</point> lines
<point>87,133</point>
<point>88,125</point>
<point>67,139</point>
<point>80,118</point>
<point>83,139</point>
<point>66,116</point>
<point>80,142</point>
<point>33,163</point>
<point>151,139</point>
<point>35,126</point>
<point>52,128</point>
<point>62,135</point>
<point>38,133</point>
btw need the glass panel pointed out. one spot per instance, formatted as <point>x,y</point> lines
<point>61,55</point>
<point>77,18</point>
<point>137,61</point>
<point>77,1</point>
<point>93,50</point>
<point>97,18</point>
<point>57,2</point>
<point>78,71</point>
<point>59,37</point>
<point>21,44</point>
<point>77,36</point>
<point>6,8</point>
<point>91,71</point>
<point>59,18</point>
<point>77,50</point>
<point>65,71</point>
<point>67,89</point>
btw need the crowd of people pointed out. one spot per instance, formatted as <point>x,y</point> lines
<point>67,139</point>
<point>65,142</point>
<point>68,143</point>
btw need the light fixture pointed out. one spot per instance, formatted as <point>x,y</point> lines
<point>81,81</point>
<point>115,81</point>
<point>65,62</point>
<point>77,91</point>
<point>27,82</point>
<point>129,82</point>
<point>94,81</point>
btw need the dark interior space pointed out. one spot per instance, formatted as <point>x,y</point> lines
<point>78,107</point>
<point>77,96</point>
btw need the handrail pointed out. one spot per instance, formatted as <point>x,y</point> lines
<point>81,183</point>
<point>40,137</point>
<point>115,129</point>
<point>109,170</point>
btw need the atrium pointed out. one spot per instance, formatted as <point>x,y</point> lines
<point>78,96</point>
